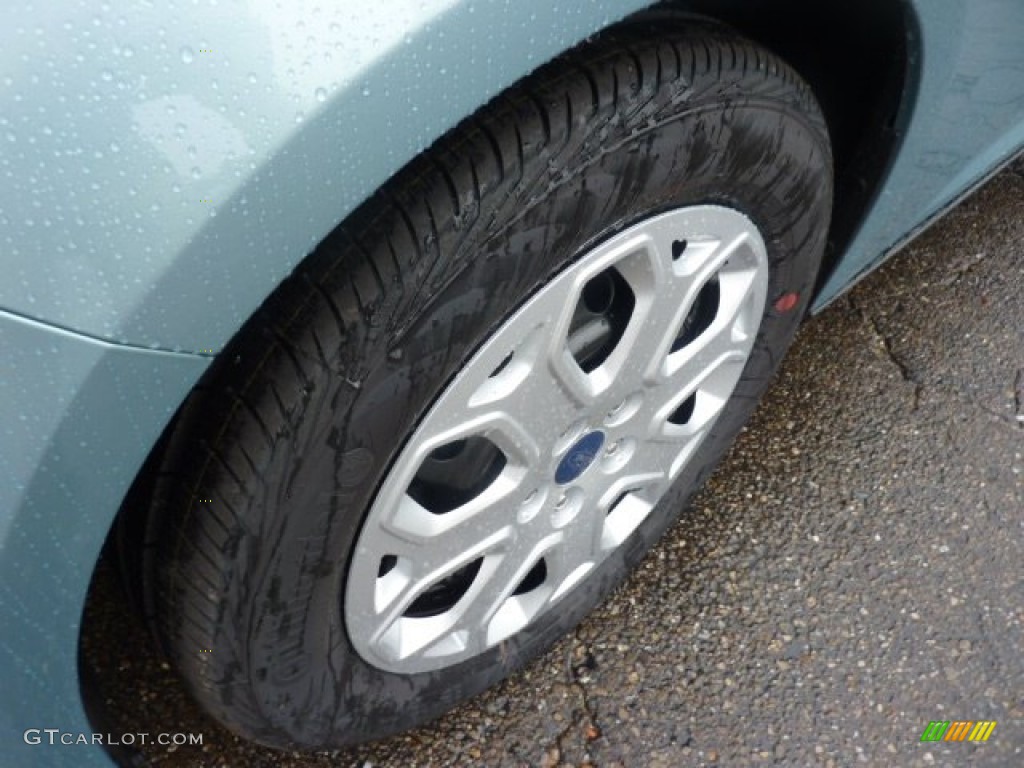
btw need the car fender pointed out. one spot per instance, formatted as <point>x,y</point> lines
<point>165,171</point>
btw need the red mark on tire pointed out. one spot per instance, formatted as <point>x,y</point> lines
<point>786,301</point>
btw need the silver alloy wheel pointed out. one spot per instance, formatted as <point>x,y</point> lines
<point>556,439</point>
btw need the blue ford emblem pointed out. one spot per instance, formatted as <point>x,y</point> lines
<point>579,457</point>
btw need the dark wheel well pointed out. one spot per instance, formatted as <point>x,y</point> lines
<point>861,60</point>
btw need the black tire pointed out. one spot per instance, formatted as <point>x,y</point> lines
<point>277,455</point>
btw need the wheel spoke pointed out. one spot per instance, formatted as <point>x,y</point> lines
<point>433,549</point>
<point>446,533</point>
<point>626,505</point>
<point>646,269</point>
<point>674,302</point>
<point>658,460</point>
<point>552,391</point>
<point>577,551</point>
<point>712,362</point>
<point>685,371</point>
<point>531,384</point>
<point>495,585</point>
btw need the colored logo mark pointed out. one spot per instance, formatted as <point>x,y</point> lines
<point>579,457</point>
<point>958,730</point>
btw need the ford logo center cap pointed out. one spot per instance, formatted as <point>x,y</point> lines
<point>579,457</point>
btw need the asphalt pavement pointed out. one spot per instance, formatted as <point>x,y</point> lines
<point>853,570</point>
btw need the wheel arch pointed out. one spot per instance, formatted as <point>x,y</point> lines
<point>862,60</point>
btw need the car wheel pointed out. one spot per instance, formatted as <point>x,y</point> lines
<point>464,418</point>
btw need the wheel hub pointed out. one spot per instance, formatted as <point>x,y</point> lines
<point>556,440</point>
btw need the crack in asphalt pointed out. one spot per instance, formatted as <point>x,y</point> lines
<point>583,713</point>
<point>884,343</point>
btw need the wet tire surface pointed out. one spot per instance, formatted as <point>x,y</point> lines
<point>851,572</point>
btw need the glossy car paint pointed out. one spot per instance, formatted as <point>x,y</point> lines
<point>963,119</point>
<point>119,281</point>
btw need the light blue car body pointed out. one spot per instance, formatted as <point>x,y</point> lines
<point>164,166</point>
